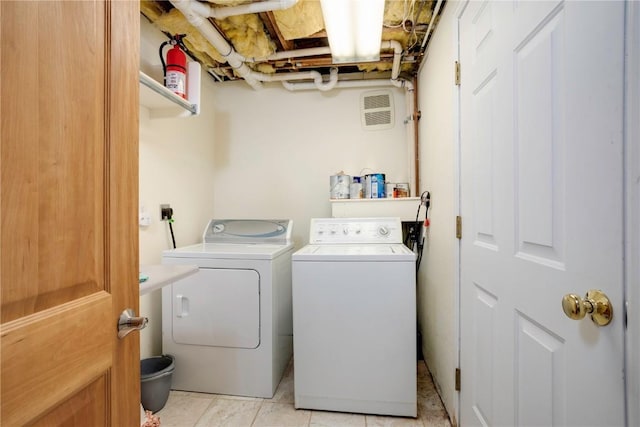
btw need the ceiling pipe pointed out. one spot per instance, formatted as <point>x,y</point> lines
<point>210,11</point>
<point>342,84</point>
<point>397,56</point>
<point>191,10</point>
<point>436,10</point>
<point>215,38</point>
<point>314,51</point>
<point>288,54</point>
<point>318,82</point>
<point>387,44</point>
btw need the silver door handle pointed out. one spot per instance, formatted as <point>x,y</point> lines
<point>128,322</point>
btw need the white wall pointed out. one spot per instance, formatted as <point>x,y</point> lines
<point>437,301</point>
<point>176,167</point>
<point>251,154</point>
<point>275,150</point>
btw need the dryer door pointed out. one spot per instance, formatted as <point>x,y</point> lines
<point>217,307</point>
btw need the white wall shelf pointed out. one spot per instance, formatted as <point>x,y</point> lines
<point>405,208</point>
<point>163,103</point>
<point>161,275</point>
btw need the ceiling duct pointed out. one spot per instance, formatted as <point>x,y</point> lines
<point>376,110</point>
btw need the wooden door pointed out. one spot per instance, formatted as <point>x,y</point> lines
<point>69,240</point>
<point>542,211</point>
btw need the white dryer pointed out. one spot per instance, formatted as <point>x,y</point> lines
<point>354,318</point>
<point>229,326</point>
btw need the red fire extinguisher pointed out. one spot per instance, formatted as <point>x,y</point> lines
<point>175,69</point>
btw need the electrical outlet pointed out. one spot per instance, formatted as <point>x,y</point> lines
<point>165,212</point>
<point>144,218</point>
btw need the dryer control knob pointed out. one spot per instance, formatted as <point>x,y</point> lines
<point>383,231</point>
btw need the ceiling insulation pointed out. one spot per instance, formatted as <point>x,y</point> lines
<point>247,35</point>
<point>173,22</point>
<point>259,35</point>
<point>301,20</point>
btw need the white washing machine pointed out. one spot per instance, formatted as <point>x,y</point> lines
<point>354,318</point>
<point>229,326</point>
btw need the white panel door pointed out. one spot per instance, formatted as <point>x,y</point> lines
<point>541,109</point>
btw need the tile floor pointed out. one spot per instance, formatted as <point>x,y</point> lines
<point>185,409</point>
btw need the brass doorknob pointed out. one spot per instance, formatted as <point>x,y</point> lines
<point>595,303</point>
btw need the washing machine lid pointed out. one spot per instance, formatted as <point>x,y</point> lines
<point>262,231</point>
<point>355,252</point>
<point>229,251</point>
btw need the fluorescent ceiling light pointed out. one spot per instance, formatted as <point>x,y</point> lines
<point>354,28</point>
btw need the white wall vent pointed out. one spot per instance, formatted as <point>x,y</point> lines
<point>376,110</point>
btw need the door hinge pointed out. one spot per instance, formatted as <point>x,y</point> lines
<point>458,227</point>
<point>457,379</point>
<point>457,73</point>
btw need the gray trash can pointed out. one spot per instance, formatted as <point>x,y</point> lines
<point>155,381</point>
